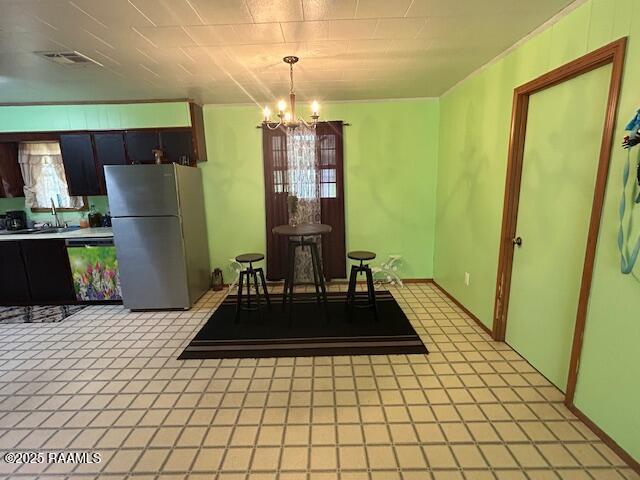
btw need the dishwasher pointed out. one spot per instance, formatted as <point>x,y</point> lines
<point>94,267</point>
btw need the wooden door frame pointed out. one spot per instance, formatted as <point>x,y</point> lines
<point>613,54</point>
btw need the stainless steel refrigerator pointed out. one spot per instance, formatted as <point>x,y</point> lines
<point>160,233</point>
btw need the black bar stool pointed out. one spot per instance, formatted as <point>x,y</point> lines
<point>362,256</point>
<point>250,273</point>
<point>318,274</point>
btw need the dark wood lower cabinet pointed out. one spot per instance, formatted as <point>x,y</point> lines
<point>47,266</point>
<point>14,285</point>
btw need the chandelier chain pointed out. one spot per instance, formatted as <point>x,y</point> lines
<point>291,78</point>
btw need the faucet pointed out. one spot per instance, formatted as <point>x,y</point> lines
<point>54,212</point>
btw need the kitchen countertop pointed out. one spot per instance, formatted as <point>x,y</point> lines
<point>102,232</point>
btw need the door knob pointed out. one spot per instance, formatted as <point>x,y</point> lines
<point>517,241</point>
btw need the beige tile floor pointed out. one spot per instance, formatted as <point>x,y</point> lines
<point>107,381</point>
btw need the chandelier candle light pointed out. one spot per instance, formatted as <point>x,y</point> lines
<point>287,118</point>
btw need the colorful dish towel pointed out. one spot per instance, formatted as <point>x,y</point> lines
<point>38,314</point>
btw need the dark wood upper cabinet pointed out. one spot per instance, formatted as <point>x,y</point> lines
<point>79,164</point>
<point>11,182</point>
<point>14,286</point>
<point>48,271</point>
<point>141,144</point>
<point>110,150</point>
<point>177,146</point>
<point>85,153</point>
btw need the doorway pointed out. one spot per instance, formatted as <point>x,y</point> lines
<point>559,169</point>
<point>327,177</point>
<point>552,210</point>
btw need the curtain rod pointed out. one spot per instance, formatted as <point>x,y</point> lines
<point>344,125</point>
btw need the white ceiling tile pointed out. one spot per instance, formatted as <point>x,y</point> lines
<point>238,34</point>
<point>265,57</point>
<point>329,30</point>
<point>231,50</point>
<point>370,48</point>
<point>108,59</point>
<point>259,33</point>
<point>167,12</point>
<point>45,16</point>
<point>448,8</point>
<point>305,31</point>
<point>389,28</point>
<point>195,54</point>
<point>408,46</point>
<point>329,9</point>
<point>382,8</point>
<point>221,12</point>
<point>84,40</point>
<point>275,10</point>
<point>212,35</point>
<point>26,42</point>
<point>167,36</point>
<point>351,29</point>
<point>420,8</point>
<point>114,12</point>
<point>324,48</point>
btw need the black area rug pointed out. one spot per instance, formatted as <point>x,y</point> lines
<point>310,334</point>
<point>38,313</point>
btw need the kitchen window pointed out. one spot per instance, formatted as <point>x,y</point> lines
<point>44,177</point>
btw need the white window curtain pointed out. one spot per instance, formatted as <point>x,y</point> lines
<point>44,178</point>
<point>303,181</point>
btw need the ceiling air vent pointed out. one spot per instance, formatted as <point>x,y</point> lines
<point>68,58</point>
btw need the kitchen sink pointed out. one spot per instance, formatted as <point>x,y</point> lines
<point>36,231</point>
<point>54,230</point>
<point>20,232</point>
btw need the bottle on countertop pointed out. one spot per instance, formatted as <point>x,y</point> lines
<point>106,219</point>
<point>84,222</point>
<point>95,217</point>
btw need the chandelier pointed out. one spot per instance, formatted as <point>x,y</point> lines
<point>287,117</point>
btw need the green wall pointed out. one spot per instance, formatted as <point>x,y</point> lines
<point>87,117</point>
<point>474,135</point>
<point>391,150</point>
<point>94,117</point>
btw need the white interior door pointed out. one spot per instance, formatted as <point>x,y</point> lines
<point>562,146</point>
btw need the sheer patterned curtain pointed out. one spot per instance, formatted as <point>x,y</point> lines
<point>303,181</point>
<point>44,178</point>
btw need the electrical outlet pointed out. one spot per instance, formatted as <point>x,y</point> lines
<point>467,278</point>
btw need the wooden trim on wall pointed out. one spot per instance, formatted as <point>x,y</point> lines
<point>614,54</point>
<point>84,208</point>
<point>54,135</point>
<point>464,309</point>
<point>606,439</point>
<point>94,102</point>
<point>17,137</point>
<point>197,125</point>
